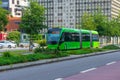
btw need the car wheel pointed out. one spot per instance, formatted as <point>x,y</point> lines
<point>1,47</point>
<point>9,46</point>
<point>15,46</point>
<point>21,46</point>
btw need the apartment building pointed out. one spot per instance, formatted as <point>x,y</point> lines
<point>68,13</point>
<point>14,6</point>
<point>15,9</point>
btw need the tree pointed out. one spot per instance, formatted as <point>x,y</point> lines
<point>101,23</point>
<point>116,26</point>
<point>14,36</point>
<point>0,2</point>
<point>32,19</point>
<point>88,22</point>
<point>3,18</point>
<point>96,21</point>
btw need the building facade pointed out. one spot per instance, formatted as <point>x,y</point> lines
<point>13,24</point>
<point>15,9</point>
<point>68,13</point>
<point>14,6</point>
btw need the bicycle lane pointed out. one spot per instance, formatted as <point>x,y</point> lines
<point>111,71</point>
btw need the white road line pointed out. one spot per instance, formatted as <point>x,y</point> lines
<point>87,70</point>
<point>59,79</point>
<point>111,63</point>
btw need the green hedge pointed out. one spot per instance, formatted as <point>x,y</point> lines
<point>111,47</point>
<point>84,51</point>
<point>9,58</point>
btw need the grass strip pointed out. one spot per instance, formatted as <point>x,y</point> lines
<point>13,57</point>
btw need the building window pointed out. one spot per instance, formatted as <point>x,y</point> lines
<point>18,2</point>
<point>25,1</point>
<point>13,2</point>
<point>17,22</point>
<point>17,14</point>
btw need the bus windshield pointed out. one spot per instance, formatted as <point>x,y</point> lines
<point>53,36</point>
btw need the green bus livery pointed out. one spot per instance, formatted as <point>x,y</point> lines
<point>68,38</point>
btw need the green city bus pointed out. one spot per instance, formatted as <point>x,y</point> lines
<point>68,38</point>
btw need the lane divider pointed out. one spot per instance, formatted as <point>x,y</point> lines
<point>111,63</point>
<point>91,69</point>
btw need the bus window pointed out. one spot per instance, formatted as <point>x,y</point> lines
<point>68,36</point>
<point>72,37</point>
<point>95,37</point>
<point>75,37</point>
<point>85,37</point>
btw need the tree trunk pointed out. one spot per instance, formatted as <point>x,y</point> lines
<point>31,44</point>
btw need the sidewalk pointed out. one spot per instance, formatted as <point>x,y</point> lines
<point>46,61</point>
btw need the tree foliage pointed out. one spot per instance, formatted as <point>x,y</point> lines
<point>88,22</point>
<point>3,18</point>
<point>33,18</point>
<point>100,23</point>
<point>0,2</point>
<point>14,36</point>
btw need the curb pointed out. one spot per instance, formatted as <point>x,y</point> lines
<point>46,61</point>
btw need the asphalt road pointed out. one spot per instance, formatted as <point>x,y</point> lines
<point>58,70</point>
<point>111,71</point>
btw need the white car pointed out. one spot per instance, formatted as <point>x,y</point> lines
<point>1,46</point>
<point>8,44</point>
<point>26,44</point>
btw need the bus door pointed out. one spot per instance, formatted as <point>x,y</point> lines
<point>71,41</point>
<point>95,39</point>
<point>85,40</point>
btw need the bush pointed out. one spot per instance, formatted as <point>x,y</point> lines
<point>39,50</point>
<point>7,54</point>
<point>25,58</point>
<point>111,47</point>
<point>78,52</point>
<point>84,51</point>
<point>12,58</point>
<point>14,36</point>
<point>37,41</point>
<point>44,50</point>
<point>41,42</point>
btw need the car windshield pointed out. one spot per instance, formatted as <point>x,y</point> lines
<point>53,36</point>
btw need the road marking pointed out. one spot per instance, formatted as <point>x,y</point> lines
<point>111,63</point>
<point>87,70</point>
<point>59,79</point>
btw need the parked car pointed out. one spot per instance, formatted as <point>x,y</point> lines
<point>26,44</point>
<point>1,46</point>
<point>8,44</point>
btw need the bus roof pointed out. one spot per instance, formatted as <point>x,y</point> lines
<point>76,30</point>
<point>85,31</point>
<point>94,32</point>
<point>70,30</point>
